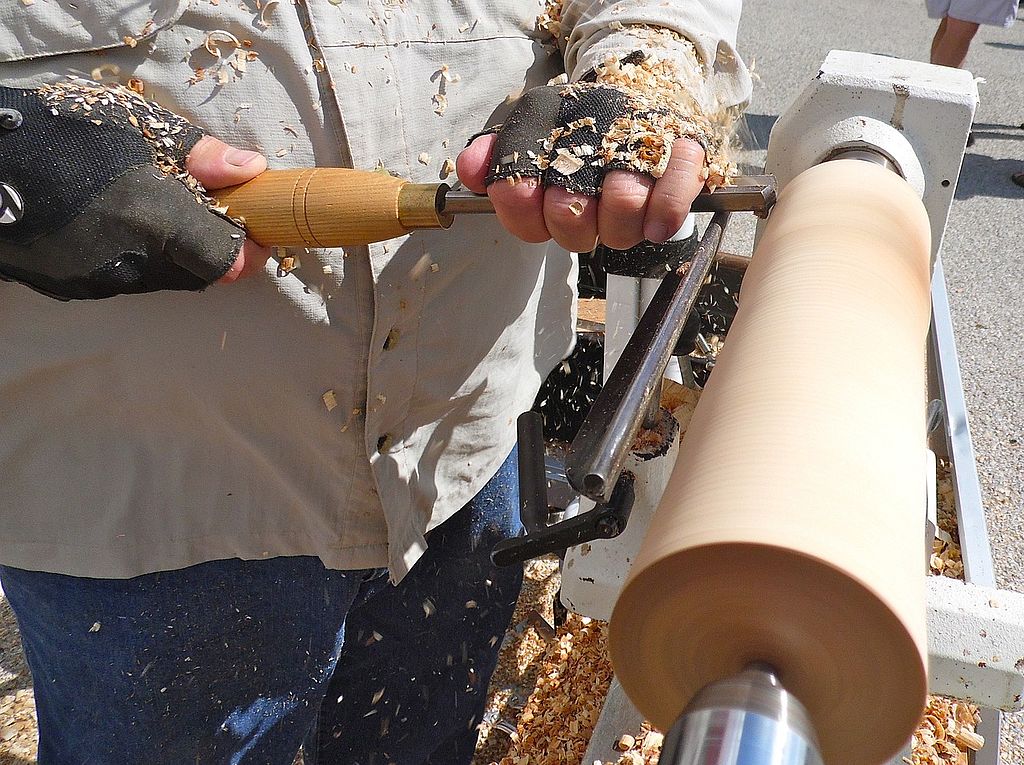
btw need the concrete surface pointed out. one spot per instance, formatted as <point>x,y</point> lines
<point>785,41</point>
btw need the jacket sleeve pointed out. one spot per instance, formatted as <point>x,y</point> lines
<point>700,35</point>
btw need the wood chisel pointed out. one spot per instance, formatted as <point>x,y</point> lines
<point>335,207</point>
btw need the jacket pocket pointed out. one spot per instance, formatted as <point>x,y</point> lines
<point>43,29</point>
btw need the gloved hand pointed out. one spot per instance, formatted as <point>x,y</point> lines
<point>604,158</point>
<point>97,198</point>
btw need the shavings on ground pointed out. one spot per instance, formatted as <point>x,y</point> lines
<point>518,666</point>
<point>17,702</point>
<point>447,168</point>
<point>946,559</point>
<point>560,715</point>
<point>946,734</point>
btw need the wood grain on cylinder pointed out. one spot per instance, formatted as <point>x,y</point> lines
<point>790,531</point>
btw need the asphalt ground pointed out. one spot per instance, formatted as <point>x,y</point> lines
<point>983,253</point>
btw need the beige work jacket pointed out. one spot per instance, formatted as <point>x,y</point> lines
<point>346,407</point>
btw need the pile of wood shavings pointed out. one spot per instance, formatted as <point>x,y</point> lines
<point>519,661</point>
<point>17,702</point>
<point>946,734</point>
<point>559,718</point>
<point>947,731</point>
<point>658,81</point>
<point>946,559</point>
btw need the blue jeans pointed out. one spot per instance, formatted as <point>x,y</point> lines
<point>237,661</point>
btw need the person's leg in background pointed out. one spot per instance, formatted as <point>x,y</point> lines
<point>223,662</point>
<point>411,684</point>
<point>952,41</point>
<point>938,37</point>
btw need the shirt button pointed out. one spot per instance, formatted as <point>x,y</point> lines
<point>391,339</point>
<point>384,443</point>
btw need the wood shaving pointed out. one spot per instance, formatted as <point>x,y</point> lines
<point>286,262</point>
<point>566,163</point>
<point>576,207</point>
<point>263,20</point>
<point>101,71</point>
<point>219,36</point>
<point>423,158</point>
<point>330,400</point>
<point>447,168</point>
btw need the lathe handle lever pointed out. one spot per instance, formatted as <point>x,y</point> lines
<point>605,521</point>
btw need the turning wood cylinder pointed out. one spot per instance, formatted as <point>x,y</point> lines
<point>790,530</point>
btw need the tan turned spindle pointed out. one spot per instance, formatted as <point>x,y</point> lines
<point>761,548</point>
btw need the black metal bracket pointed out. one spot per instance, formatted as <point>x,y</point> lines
<point>606,520</point>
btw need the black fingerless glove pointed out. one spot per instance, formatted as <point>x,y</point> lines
<point>572,135</point>
<point>94,198</point>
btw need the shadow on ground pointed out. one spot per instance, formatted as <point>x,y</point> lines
<point>998,132</point>
<point>1006,45</point>
<point>983,176</point>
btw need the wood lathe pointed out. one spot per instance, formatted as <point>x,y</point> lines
<point>762,611</point>
<point>768,597</point>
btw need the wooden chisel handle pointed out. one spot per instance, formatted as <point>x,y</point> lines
<point>333,206</point>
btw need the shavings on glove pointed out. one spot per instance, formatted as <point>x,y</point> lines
<point>105,205</point>
<point>623,115</point>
